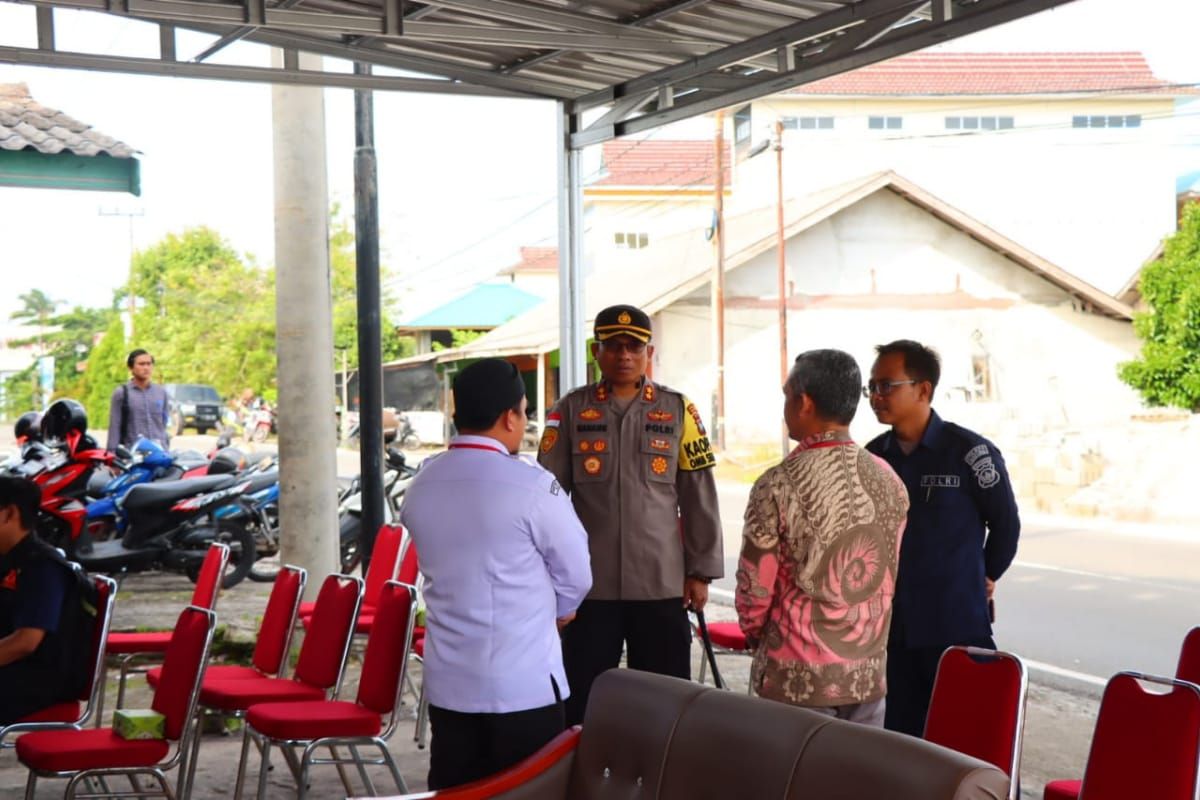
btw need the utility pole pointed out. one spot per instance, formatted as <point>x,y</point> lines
<point>718,285</point>
<point>129,215</point>
<point>370,347</point>
<point>781,268</point>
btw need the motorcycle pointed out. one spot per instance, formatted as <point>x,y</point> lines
<point>166,525</point>
<point>258,511</point>
<point>259,423</point>
<point>169,526</point>
<point>396,478</point>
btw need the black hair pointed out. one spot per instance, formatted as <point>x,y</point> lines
<point>24,494</point>
<point>134,357</point>
<point>921,363</point>
<point>831,379</point>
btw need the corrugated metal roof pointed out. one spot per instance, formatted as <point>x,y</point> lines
<point>486,306</point>
<point>998,74</point>
<point>27,124</point>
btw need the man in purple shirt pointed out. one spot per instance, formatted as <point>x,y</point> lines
<point>505,564</point>
<point>139,407</point>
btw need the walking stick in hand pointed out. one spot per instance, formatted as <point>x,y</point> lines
<point>708,649</point>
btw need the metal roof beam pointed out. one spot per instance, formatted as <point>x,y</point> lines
<point>185,69</point>
<point>982,14</point>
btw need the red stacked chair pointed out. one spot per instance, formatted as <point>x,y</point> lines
<point>727,639</point>
<point>978,707</point>
<point>75,713</point>
<point>319,669</point>
<point>128,647</point>
<point>82,754</point>
<point>329,723</point>
<point>1146,744</point>
<point>385,558</point>
<point>274,639</point>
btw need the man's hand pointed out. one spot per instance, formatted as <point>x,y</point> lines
<point>564,621</point>
<point>990,586</point>
<point>695,594</point>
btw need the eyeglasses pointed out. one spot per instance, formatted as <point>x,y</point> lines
<point>634,348</point>
<point>883,388</point>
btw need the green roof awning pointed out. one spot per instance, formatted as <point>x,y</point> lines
<point>99,173</point>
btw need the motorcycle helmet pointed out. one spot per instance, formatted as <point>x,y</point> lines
<point>28,427</point>
<point>62,417</point>
<point>227,460</point>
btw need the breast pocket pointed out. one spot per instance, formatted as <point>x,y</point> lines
<point>591,458</point>
<point>658,455</point>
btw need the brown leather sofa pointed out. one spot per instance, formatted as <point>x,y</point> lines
<point>647,737</point>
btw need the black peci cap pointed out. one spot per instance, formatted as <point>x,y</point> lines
<point>484,390</point>
<point>623,320</point>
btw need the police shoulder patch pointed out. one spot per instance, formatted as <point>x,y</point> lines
<point>695,452</point>
<point>549,439</point>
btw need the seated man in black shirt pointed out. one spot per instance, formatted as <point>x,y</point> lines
<point>32,591</point>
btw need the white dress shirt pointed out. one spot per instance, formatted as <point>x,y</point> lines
<point>503,556</point>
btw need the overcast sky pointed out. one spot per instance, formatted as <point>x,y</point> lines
<point>463,181</point>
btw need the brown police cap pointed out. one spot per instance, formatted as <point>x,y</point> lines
<point>622,320</point>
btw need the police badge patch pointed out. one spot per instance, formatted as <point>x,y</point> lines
<point>979,460</point>
<point>549,439</point>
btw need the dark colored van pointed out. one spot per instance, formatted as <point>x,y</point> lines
<point>194,405</point>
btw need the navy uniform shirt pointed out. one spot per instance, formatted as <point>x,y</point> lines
<point>962,526</point>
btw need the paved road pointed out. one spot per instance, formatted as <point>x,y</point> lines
<point>1082,601</point>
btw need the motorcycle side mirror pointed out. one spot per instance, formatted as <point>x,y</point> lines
<point>123,452</point>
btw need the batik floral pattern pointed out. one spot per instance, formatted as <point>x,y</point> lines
<point>817,574</point>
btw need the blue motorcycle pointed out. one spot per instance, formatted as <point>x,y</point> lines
<point>148,461</point>
<point>258,511</point>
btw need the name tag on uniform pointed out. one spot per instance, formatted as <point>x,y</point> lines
<point>939,481</point>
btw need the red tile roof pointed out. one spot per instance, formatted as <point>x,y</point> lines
<point>660,162</point>
<point>996,74</point>
<point>535,259</point>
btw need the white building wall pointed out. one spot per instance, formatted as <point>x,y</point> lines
<point>1051,366</point>
<point>1093,201</point>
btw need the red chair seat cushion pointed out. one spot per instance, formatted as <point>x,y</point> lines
<point>364,622</point>
<point>221,672</point>
<point>418,647</point>
<point>727,635</point>
<point>239,695</point>
<point>72,750</point>
<point>1062,790</point>
<point>59,712</point>
<point>123,643</point>
<point>313,720</point>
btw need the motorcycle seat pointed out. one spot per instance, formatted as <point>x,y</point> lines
<point>149,495</point>
<point>261,480</point>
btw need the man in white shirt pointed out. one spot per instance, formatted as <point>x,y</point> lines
<point>505,562</point>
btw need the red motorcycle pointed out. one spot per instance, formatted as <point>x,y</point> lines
<point>64,480</point>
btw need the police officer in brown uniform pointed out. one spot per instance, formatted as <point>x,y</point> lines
<point>636,460</point>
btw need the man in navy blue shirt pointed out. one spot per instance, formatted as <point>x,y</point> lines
<point>962,528</point>
<point>33,588</point>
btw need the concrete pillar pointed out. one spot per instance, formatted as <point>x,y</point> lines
<point>304,330</point>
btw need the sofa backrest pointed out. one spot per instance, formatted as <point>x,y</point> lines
<point>656,738</point>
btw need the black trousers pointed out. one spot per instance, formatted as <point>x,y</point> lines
<point>26,688</point>
<point>910,675</point>
<point>655,633</point>
<point>467,747</point>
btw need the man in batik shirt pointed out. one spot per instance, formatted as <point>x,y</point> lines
<point>818,565</point>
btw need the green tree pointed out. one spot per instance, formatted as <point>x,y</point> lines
<point>205,314</point>
<point>69,338</point>
<point>36,307</point>
<point>344,280</point>
<point>105,371</point>
<point>1167,373</point>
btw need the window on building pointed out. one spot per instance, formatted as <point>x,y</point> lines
<point>743,131</point>
<point>632,241</point>
<point>885,123</point>
<point>1107,121</point>
<point>807,123</point>
<point>979,123</point>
